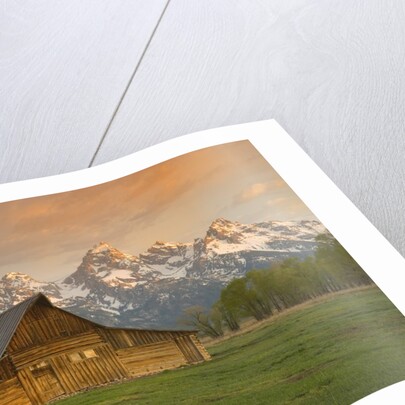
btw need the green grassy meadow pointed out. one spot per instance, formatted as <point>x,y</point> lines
<point>334,351</point>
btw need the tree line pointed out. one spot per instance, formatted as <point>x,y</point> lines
<point>262,293</point>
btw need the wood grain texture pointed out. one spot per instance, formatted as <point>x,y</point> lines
<point>151,358</point>
<point>12,393</point>
<point>330,72</point>
<point>63,68</point>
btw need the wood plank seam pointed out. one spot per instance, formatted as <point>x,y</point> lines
<point>138,64</point>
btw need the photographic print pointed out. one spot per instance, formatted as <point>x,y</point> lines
<point>203,278</point>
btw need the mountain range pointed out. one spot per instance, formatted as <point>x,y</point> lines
<point>153,288</point>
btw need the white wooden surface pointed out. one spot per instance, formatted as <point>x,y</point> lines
<point>63,68</point>
<point>331,72</point>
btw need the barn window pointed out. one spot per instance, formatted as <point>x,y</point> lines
<point>84,355</point>
<point>75,357</point>
<point>39,369</point>
<point>90,353</point>
<point>37,366</point>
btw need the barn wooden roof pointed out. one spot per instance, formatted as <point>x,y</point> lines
<point>10,319</point>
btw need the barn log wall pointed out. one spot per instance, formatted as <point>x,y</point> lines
<point>187,342</point>
<point>39,391</point>
<point>200,348</point>
<point>151,358</point>
<point>7,369</point>
<point>57,347</point>
<point>147,352</point>
<point>189,349</point>
<point>12,393</point>
<point>65,376</point>
<point>89,372</point>
<point>122,338</point>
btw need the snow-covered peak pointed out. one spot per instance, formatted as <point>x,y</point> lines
<point>16,287</point>
<point>105,254</point>
<point>18,278</point>
<point>222,222</point>
<point>224,237</point>
<point>15,275</point>
<point>107,265</point>
<point>223,225</point>
<point>160,246</point>
<point>222,229</point>
<point>101,247</point>
<point>167,259</point>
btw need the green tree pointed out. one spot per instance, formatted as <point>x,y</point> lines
<point>230,318</point>
<point>239,295</point>
<point>337,264</point>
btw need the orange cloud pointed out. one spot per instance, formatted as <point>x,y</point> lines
<point>252,192</point>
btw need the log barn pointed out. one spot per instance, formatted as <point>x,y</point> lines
<point>47,352</point>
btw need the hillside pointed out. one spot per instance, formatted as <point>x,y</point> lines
<point>335,350</point>
<point>152,289</point>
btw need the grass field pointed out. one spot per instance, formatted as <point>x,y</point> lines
<point>331,352</point>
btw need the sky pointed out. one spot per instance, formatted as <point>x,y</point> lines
<point>174,201</point>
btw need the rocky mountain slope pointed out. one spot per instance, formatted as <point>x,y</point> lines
<point>152,289</point>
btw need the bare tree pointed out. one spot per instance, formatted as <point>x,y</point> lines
<point>198,318</point>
